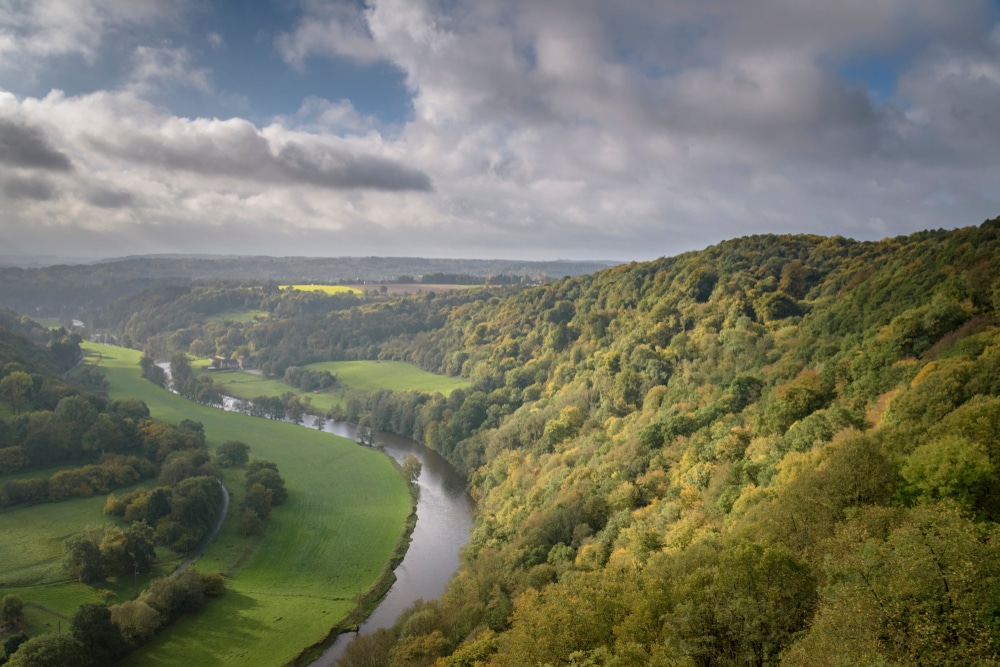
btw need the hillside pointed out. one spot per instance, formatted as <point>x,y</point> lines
<point>777,450</point>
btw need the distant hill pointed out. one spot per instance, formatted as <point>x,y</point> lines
<point>68,289</point>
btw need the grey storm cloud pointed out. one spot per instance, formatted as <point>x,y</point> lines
<point>235,149</point>
<point>106,198</point>
<point>38,189</point>
<point>22,145</point>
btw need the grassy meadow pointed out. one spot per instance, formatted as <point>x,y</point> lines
<point>346,511</point>
<point>394,375</point>
<point>363,376</point>
<point>32,553</point>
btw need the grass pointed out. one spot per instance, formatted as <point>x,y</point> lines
<point>32,547</point>
<point>346,511</point>
<point>249,386</point>
<point>326,289</point>
<point>32,552</point>
<point>363,376</point>
<point>394,375</point>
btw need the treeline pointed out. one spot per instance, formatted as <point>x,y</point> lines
<point>265,488</point>
<point>83,482</point>
<point>180,516</point>
<point>99,635</point>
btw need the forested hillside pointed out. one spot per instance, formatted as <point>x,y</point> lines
<point>775,450</point>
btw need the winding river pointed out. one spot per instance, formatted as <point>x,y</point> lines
<point>444,521</point>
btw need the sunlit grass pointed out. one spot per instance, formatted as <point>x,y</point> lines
<point>394,375</point>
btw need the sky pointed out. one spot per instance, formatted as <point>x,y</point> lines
<point>536,129</point>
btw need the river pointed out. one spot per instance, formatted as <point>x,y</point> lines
<point>444,521</point>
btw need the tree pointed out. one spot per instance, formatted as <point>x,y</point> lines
<point>266,474</point>
<point>259,500</point>
<point>181,374</point>
<point>136,620</point>
<point>232,453</point>
<point>412,468</point>
<point>12,643</point>
<point>366,436</point>
<point>101,640</point>
<point>48,650</point>
<point>11,606</point>
<point>83,557</point>
<point>15,390</point>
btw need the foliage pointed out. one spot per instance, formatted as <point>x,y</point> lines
<point>48,650</point>
<point>412,468</point>
<point>11,606</point>
<point>232,453</point>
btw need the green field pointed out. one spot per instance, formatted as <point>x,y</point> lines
<point>394,375</point>
<point>32,546</point>
<point>32,552</point>
<point>363,376</point>
<point>326,289</point>
<point>346,511</point>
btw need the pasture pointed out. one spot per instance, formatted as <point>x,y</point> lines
<point>361,376</point>
<point>344,518</point>
<point>394,375</point>
<point>32,555</point>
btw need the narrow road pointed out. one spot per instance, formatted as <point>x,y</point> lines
<point>211,536</point>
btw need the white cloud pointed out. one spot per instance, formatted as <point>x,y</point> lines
<point>155,67</point>
<point>38,29</point>
<point>329,29</point>
<point>549,128</point>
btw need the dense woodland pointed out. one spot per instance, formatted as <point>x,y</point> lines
<point>777,450</point>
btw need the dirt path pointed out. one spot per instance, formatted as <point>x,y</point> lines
<point>211,536</point>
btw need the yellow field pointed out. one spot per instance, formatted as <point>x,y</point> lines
<point>326,289</point>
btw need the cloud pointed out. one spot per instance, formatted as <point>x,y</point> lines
<point>547,128</point>
<point>235,148</point>
<point>103,197</point>
<point>36,188</point>
<point>22,145</point>
<point>158,66</point>
<point>329,29</point>
<point>38,29</point>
